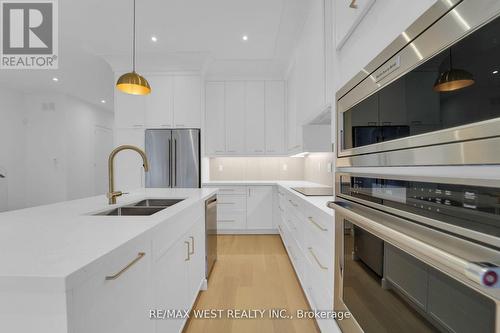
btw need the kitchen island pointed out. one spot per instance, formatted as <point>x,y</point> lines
<point>64,269</point>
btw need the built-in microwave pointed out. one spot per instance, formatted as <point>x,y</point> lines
<point>416,254</point>
<point>435,100</point>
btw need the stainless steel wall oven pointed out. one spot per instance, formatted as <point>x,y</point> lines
<point>417,254</point>
<point>432,97</point>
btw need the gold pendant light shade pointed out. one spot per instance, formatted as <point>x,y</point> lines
<point>454,79</point>
<point>134,84</point>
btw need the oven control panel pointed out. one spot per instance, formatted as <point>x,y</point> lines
<point>473,207</point>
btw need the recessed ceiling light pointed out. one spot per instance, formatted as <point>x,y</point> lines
<point>495,71</point>
<point>103,101</point>
<point>154,39</point>
<point>245,38</point>
<point>55,79</point>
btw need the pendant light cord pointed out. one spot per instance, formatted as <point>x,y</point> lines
<point>451,63</point>
<point>133,43</point>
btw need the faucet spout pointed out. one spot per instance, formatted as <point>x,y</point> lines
<point>112,194</point>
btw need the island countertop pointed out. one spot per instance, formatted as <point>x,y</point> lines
<point>45,246</point>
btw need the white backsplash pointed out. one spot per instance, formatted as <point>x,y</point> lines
<point>313,168</point>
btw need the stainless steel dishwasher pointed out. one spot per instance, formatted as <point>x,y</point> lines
<point>211,233</point>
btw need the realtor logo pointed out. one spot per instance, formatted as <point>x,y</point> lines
<point>29,34</point>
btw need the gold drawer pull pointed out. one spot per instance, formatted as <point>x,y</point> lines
<point>192,245</point>
<point>293,203</point>
<point>140,255</point>
<point>316,259</point>
<point>188,251</point>
<point>316,224</point>
<point>226,220</point>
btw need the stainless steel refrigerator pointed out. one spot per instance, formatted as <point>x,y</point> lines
<point>174,158</point>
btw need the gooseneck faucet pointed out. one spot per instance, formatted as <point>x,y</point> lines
<point>112,194</point>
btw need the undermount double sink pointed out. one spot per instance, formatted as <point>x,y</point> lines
<point>144,207</point>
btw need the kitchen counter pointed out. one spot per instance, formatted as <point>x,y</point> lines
<point>52,247</point>
<point>318,201</point>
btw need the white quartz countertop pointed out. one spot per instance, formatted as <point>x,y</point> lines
<point>318,201</point>
<point>51,243</point>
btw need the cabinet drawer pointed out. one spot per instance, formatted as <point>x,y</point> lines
<point>321,267</point>
<point>231,220</point>
<point>318,234</point>
<point>120,288</point>
<point>242,190</point>
<point>231,202</point>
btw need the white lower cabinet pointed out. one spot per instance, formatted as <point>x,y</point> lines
<point>164,271</point>
<point>260,207</point>
<point>245,209</point>
<point>178,275</point>
<point>307,233</point>
<point>114,299</point>
<point>171,285</point>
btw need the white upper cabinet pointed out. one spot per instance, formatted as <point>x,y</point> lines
<point>187,101</point>
<point>160,103</point>
<point>245,118</point>
<point>174,102</point>
<point>214,118</point>
<point>235,117</point>
<point>129,110</point>
<point>255,117</point>
<point>275,117</point>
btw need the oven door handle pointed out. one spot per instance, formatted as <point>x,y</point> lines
<point>373,222</point>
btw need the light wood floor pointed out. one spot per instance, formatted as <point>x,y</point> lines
<point>252,272</point>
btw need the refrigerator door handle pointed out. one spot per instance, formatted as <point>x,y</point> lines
<point>170,162</point>
<point>175,163</point>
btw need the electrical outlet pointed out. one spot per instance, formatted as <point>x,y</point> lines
<point>329,167</point>
<point>285,167</point>
<point>221,168</point>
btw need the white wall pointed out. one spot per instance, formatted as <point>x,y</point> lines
<point>12,143</point>
<point>48,147</point>
<point>381,25</point>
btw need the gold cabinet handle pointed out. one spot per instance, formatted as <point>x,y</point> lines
<point>316,259</point>
<point>316,224</point>
<point>192,245</point>
<point>140,255</point>
<point>188,252</point>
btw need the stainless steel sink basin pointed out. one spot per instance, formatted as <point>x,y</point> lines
<point>131,211</point>
<point>157,203</point>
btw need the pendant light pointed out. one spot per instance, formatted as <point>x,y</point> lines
<point>133,83</point>
<point>453,79</point>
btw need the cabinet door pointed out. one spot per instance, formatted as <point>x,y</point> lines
<point>214,113</point>
<point>255,117</point>
<point>119,305</point>
<point>293,134</point>
<point>275,117</point>
<point>260,207</point>
<point>129,172</point>
<point>235,117</point>
<point>187,100</point>
<point>129,110</point>
<point>160,103</point>
<point>171,284</point>
<point>196,262</point>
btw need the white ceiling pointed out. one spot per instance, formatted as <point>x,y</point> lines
<point>192,35</point>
